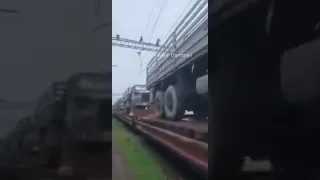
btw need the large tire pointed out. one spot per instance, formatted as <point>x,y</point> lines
<point>174,107</point>
<point>159,103</point>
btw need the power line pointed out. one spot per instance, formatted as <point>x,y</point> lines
<point>163,5</point>
<point>173,26</point>
<point>142,71</point>
<point>153,5</point>
<point>154,2</point>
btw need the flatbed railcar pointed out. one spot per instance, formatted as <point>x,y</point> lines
<point>187,140</point>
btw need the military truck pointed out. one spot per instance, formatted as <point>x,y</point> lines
<point>177,76</point>
<point>126,99</point>
<point>28,134</point>
<point>118,105</point>
<point>88,107</point>
<point>75,111</point>
<point>49,122</point>
<point>137,96</point>
<point>140,96</point>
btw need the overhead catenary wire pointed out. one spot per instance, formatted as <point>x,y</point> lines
<point>176,22</point>
<point>153,5</point>
<point>142,71</point>
<point>163,6</point>
<point>150,16</point>
<point>154,2</point>
<point>173,26</point>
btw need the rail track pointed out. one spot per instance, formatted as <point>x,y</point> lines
<point>181,144</point>
<point>185,145</point>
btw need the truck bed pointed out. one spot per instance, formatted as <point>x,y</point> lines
<point>188,44</point>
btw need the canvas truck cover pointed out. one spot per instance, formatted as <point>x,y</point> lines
<point>92,85</point>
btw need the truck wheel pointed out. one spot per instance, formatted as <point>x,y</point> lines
<point>174,103</point>
<point>159,103</point>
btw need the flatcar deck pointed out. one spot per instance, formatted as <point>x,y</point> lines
<point>179,137</point>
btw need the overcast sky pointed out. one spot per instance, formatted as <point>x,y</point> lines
<point>129,20</point>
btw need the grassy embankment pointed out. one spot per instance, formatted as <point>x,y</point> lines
<point>142,165</point>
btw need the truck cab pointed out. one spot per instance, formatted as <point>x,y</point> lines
<point>50,110</point>
<point>140,96</point>
<point>121,105</point>
<point>127,99</point>
<point>29,134</point>
<point>88,106</point>
<point>118,105</point>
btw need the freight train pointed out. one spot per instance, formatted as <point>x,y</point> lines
<point>74,111</point>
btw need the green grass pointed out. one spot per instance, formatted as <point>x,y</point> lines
<point>142,166</point>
